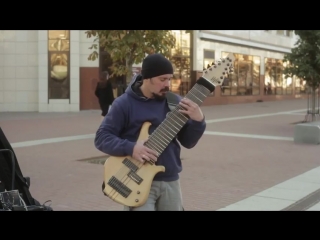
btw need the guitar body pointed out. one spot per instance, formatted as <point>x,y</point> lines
<point>128,181</point>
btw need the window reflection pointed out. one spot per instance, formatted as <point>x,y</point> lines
<point>245,79</point>
<point>208,58</point>
<point>59,61</point>
<point>59,45</point>
<point>301,86</point>
<point>181,61</point>
<point>275,82</point>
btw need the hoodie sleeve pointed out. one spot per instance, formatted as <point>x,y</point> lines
<point>107,138</point>
<point>191,133</point>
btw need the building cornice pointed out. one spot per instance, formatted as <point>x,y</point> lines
<point>242,42</point>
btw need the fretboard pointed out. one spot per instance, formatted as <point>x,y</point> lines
<point>173,123</point>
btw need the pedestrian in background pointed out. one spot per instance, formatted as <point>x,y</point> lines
<point>104,93</point>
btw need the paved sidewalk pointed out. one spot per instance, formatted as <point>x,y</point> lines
<point>247,149</point>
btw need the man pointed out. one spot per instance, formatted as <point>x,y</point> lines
<point>145,100</point>
<point>104,93</point>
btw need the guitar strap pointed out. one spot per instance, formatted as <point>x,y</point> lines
<point>172,100</point>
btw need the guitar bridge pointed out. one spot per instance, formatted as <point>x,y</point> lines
<point>135,177</point>
<point>117,185</point>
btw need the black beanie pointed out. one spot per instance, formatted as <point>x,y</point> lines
<point>155,65</point>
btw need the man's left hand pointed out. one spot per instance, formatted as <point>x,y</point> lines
<point>191,109</point>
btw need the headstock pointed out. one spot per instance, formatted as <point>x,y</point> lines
<point>217,72</point>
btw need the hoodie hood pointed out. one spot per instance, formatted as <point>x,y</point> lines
<point>133,88</point>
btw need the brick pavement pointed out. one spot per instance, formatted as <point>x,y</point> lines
<point>219,171</point>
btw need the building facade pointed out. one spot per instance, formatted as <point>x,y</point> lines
<point>258,68</point>
<point>41,70</point>
<point>47,71</point>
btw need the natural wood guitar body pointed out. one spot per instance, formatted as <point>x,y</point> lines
<point>130,179</point>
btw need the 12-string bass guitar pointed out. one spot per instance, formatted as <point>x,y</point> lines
<point>128,181</point>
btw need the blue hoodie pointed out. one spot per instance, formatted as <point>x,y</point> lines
<point>121,127</point>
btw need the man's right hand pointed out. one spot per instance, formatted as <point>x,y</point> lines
<point>143,153</point>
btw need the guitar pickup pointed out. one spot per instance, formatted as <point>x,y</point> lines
<point>130,165</point>
<point>135,177</point>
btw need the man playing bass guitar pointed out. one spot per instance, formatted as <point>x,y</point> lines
<point>145,101</point>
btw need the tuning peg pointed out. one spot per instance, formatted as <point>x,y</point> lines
<point>212,64</point>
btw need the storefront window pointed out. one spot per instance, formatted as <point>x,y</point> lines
<point>275,83</point>
<point>208,58</point>
<point>181,60</point>
<point>59,64</point>
<point>301,86</point>
<point>245,79</point>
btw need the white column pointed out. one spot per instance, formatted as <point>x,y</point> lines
<point>74,71</point>
<point>43,70</point>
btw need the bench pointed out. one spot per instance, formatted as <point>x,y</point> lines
<point>308,132</point>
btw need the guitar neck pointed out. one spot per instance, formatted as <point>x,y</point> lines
<point>173,123</point>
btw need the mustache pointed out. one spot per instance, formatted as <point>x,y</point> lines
<point>166,89</point>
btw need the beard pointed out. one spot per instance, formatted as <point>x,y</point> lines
<point>162,95</point>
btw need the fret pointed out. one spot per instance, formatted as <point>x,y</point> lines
<point>160,138</point>
<point>167,130</point>
<point>155,142</point>
<point>170,123</point>
<point>203,89</point>
<point>163,129</point>
<point>153,146</point>
<point>181,118</point>
<point>195,99</point>
<point>174,123</point>
<point>175,120</point>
